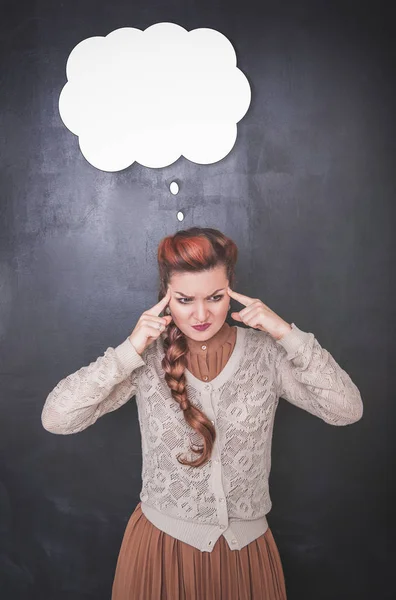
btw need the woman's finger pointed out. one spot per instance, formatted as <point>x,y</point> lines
<point>159,307</point>
<point>246,300</point>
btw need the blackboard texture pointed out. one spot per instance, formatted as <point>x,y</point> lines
<point>308,195</point>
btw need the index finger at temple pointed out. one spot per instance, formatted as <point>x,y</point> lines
<point>159,307</point>
<point>246,300</point>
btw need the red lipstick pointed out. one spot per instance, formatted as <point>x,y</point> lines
<point>201,327</point>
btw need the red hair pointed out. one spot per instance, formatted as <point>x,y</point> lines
<point>191,250</point>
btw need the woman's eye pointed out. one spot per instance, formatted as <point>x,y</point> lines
<point>219,297</point>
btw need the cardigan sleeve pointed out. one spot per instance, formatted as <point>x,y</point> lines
<point>79,399</point>
<point>308,376</point>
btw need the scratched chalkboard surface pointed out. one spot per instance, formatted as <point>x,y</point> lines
<point>307,193</point>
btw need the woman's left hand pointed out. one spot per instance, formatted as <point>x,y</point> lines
<point>259,316</point>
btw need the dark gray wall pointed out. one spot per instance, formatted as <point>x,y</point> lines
<point>307,193</point>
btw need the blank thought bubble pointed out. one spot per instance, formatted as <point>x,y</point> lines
<point>151,96</point>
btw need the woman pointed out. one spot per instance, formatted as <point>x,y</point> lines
<point>206,402</point>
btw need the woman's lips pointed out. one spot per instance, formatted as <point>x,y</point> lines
<point>201,327</point>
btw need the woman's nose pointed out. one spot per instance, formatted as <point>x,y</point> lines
<point>201,312</point>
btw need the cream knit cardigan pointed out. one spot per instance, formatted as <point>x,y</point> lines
<point>229,495</point>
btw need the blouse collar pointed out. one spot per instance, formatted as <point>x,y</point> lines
<point>211,345</point>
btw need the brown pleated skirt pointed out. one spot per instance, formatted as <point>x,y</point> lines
<point>153,565</point>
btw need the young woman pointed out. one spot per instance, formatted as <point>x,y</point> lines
<point>207,394</point>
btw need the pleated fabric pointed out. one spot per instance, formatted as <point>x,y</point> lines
<point>153,565</point>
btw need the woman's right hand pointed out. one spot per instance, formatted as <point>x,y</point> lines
<point>146,329</point>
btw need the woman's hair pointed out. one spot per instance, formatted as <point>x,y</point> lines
<point>192,250</point>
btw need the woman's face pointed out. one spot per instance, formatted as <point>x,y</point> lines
<point>203,298</point>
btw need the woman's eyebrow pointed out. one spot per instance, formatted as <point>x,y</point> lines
<point>186,296</point>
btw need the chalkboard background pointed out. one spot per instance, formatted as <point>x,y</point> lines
<point>307,193</point>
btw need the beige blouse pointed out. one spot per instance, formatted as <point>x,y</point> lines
<point>206,359</point>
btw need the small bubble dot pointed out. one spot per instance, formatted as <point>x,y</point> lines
<point>174,188</point>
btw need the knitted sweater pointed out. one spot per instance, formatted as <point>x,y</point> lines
<point>229,495</point>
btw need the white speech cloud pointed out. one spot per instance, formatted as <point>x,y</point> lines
<point>151,96</point>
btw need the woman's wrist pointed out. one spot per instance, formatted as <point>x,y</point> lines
<point>283,330</point>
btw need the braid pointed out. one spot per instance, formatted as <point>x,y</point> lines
<point>174,364</point>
